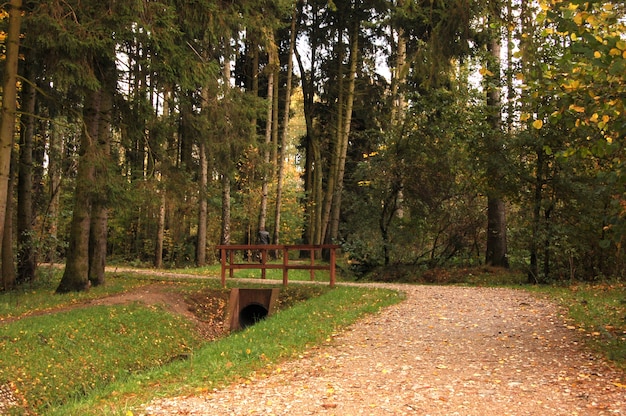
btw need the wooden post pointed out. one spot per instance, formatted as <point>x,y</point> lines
<point>223,260</point>
<point>285,265</point>
<point>263,262</point>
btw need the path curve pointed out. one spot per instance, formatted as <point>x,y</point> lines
<point>442,351</point>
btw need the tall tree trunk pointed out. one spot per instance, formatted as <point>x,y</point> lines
<point>225,210</point>
<point>269,128</point>
<point>496,254</point>
<point>99,210</point>
<point>160,235</point>
<point>9,98</point>
<point>76,275</point>
<point>345,132</point>
<point>26,261</point>
<point>54,186</point>
<point>285,132</point>
<point>313,196</point>
<point>331,186</point>
<point>202,206</point>
<point>9,276</point>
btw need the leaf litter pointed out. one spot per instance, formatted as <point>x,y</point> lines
<point>443,351</point>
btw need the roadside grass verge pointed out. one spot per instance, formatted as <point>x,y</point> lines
<point>237,357</point>
<point>110,359</point>
<point>598,312</point>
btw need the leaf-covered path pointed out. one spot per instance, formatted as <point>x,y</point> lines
<point>443,351</point>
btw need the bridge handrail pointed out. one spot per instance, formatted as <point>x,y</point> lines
<point>228,261</point>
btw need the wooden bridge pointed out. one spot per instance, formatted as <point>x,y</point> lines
<point>227,256</point>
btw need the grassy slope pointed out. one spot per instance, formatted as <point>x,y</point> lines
<point>106,359</point>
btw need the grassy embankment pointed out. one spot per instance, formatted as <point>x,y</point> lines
<point>109,359</point>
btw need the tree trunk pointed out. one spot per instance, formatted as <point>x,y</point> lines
<point>225,210</point>
<point>331,186</point>
<point>9,277</point>
<point>268,170</point>
<point>496,254</point>
<point>99,210</point>
<point>26,261</point>
<point>496,233</point>
<point>76,275</point>
<point>345,133</point>
<point>285,132</point>
<point>313,197</point>
<point>54,186</point>
<point>160,235</point>
<point>202,206</point>
<point>9,98</point>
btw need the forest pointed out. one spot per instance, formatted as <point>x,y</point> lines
<point>429,133</point>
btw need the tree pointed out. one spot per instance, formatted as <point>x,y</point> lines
<point>496,253</point>
<point>9,99</point>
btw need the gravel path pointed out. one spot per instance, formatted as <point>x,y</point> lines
<point>443,351</point>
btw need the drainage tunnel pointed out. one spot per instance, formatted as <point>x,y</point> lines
<point>252,314</point>
<point>248,306</point>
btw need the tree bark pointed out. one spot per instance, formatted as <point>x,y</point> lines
<point>225,210</point>
<point>9,98</point>
<point>26,260</point>
<point>160,235</point>
<point>285,132</point>
<point>54,186</point>
<point>269,128</point>
<point>76,275</point>
<point>345,133</point>
<point>202,206</point>
<point>9,275</point>
<point>496,253</point>
<point>99,211</point>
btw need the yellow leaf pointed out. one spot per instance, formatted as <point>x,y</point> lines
<point>597,54</point>
<point>578,19</point>
<point>606,118</point>
<point>573,36</point>
<point>484,71</point>
<point>621,45</point>
<point>129,413</point>
<point>524,117</point>
<point>538,124</point>
<point>519,77</point>
<point>577,108</point>
<point>594,118</point>
<point>615,52</point>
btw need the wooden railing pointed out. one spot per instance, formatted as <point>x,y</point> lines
<point>227,256</point>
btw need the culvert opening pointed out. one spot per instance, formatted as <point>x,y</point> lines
<point>251,314</point>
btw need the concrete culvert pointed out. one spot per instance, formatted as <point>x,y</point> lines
<point>252,314</point>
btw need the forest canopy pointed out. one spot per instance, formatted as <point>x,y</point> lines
<point>430,134</point>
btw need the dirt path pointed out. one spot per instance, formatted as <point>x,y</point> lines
<point>443,351</point>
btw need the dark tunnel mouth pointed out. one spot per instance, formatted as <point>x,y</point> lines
<point>251,314</point>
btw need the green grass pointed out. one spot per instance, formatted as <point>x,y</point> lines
<point>38,297</point>
<point>598,312</point>
<point>110,359</point>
